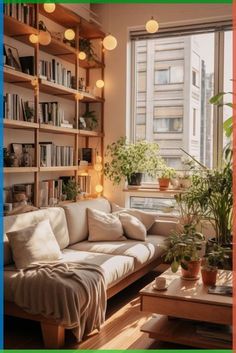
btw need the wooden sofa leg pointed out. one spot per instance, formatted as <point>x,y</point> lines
<point>53,335</point>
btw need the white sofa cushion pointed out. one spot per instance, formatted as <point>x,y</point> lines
<point>33,244</point>
<point>115,268</point>
<point>133,227</point>
<point>76,215</point>
<point>56,216</point>
<point>141,252</point>
<point>104,226</point>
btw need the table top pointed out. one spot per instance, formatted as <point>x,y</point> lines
<point>186,290</point>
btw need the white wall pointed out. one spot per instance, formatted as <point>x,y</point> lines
<point>119,19</point>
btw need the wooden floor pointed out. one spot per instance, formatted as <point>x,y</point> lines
<point>120,331</point>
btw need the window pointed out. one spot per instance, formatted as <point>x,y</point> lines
<point>162,206</point>
<point>162,77</point>
<point>178,113</point>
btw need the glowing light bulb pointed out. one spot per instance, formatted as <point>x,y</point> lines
<point>109,42</point>
<point>99,188</point>
<point>100,83</point>
<point>34,82</point>
<point>79,96</point>
<point>82,55</point>
<point>44,38</point>
<point>69,34</point>
<point>98,159</point>
<point>49,7</point>
<point>98,167</point>
<point>152,26</point>
<point>33,38</point>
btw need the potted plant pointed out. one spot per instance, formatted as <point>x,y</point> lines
<point>211,262</point>
<point>71,189</point>
<point>128,161</point>
<point>164,177</point>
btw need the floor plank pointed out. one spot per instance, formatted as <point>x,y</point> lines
<point>120,331</point>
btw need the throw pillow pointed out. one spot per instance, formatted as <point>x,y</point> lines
<point>104,226</point>
<point>133,227</point>
<point>147,218</point>
<point>34,244</point>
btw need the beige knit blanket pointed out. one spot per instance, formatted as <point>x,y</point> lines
<point>72,293</point>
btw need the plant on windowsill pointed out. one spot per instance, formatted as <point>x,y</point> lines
<point>214,259</point>
<point>128,161</point>
<point>164,176</point>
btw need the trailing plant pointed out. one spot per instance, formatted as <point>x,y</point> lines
<point>86,46</point>
<point>125,158</point>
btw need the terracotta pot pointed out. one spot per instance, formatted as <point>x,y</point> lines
<point>163,183</point>
<point>209,277</point>
<point>193,269</point>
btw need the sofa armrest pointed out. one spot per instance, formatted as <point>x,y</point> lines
<point>163,227</point>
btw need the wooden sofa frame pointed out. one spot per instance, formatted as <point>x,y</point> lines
<point>54,333</point>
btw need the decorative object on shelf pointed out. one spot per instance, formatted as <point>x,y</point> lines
<point>71,189</point>
<point>49,7</point>
<point>69,34</point>
<point>91,120</point>
<point>109,42</point>
<point>126,158</point>
<point>86,46</point>
<point>214,259</point>
<point>34,38</point>
<point>82,85</point>
<point>17,151</point>
<point>152,26</point>
<point>44,35</point>
<point>26,158</point>
<point>82,55</point>
<point>28,111</point>
<point>12,57</point>
<point>87,154</point>
<point>99,83</point>
<point>27,64</point>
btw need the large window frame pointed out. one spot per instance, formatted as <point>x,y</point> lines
<point>218,28</point>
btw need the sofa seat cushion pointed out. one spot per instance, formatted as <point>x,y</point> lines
<point>141,252</point>
<point>115,267</point>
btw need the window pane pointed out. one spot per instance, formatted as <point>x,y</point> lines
<point>163,206</point>
<point>228,76</point>
<point>180,76</point>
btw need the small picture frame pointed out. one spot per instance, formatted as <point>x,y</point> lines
<point>82,123</point>
<point>87,154</point>
<point>12,57</point>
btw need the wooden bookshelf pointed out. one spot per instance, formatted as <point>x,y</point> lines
<point>13,170</point>
<point>83,29</point>
<point>18,124</point>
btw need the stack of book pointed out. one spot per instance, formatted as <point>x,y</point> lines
<point>85,183</point>
<point>55,72</point>
<point>15,109</point>
<point>22,12</point>
<point>50,192</point>
<point>51,113</point>
<point>215,332</point>
<point>55,156</point>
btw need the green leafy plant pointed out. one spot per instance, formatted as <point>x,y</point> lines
<point>216,258</point>
<point>125,158</point>
<point>71,189</point>
<point>166,172</point>
<point>91,119</point>
<point>86,46</point>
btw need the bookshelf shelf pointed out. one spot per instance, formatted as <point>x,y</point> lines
<point>20,31</point>
<point>18,78</point>
<point>17,29</point>
<point>87,133</point>
<point>19,124</point>
<point>57,129</point>
<point>58,169</point>
<point>61,50</point>
<point>56,89</point>
<point>11,170</point>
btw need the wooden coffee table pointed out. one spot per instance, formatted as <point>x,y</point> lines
<point>182,307</point>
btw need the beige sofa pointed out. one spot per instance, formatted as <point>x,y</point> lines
<point>123,262</point>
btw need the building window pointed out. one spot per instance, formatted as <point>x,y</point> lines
<point>195,78</point>
<point>168,125</point>
<point>194,121</point>
<point>162,77</point>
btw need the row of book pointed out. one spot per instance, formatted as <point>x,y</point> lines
<point>14,108</point>
<point>22,12</point>
<point>55,72</point>
<point>50,192</point>
<point>52,113</point>
<point>56,156</point>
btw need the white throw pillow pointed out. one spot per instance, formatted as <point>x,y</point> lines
<point>34,244</point>
<point>147,218</point>
<point>104,226</point>
<point>133,227</point>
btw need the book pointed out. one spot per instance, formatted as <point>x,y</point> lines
<point>221,290</point>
